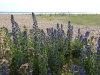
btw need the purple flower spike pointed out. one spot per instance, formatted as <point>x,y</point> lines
<point>87,33</point>
<point>57,26</point>
<point>88,51</point>
<point>78,32</point>
<point>31,31</point>
<point>61,26</point>
<point>99,41</point>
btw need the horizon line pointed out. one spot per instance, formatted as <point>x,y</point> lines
<point>11,12</point>
<point>49,12</point>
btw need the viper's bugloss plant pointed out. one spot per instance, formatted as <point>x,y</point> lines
<point>69,39</point>
<point>88,52</point>
<point>49,53</point>
<point>85,38</point>
<point>97,59</point>
<point>82,57</point>
<point>24,42</point>
<point>15,33</point>
<point>87,34</point>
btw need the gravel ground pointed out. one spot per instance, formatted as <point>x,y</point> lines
<point>43,24</point>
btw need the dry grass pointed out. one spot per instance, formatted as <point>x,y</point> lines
<point>1,43</point>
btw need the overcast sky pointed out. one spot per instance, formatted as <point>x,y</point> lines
<point>50,5</point>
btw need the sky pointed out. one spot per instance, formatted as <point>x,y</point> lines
<point>92,6</point>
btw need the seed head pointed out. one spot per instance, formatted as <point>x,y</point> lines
<point>7,50</point>
<point>31,49</point>
<point>24,66</point>
<point>4,61</point>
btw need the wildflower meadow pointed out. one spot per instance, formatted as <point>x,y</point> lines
<point>54,52</point>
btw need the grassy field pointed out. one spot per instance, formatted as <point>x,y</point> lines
<point>82,19</point>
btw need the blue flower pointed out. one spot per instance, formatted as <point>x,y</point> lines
<point>31,31</point>
<point>61,26</point>
<point>88,52</point>
<point>57,26</point>
<point>75,68</point>
<point>69,33</point>
<point>15,32</point>
<point>81,37</point>
<point>99,41</point>
<point>84,40</point>
<point>52,35</point>
<point>24,41</point>
<point>35,38</point>
<point>97,63</point>
<point>82,71</point>
<point>87,34</point>
<point>82,57</point>
<point>78,70</point>
<point>48,74</point>
<point>3,70</point>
